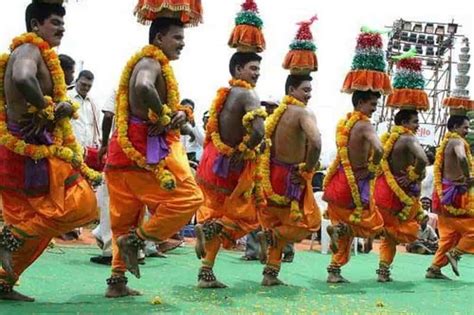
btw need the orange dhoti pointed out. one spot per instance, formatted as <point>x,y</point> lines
<point>340,208</point>
<point>132,189</point>
<point>61,202</point>
<point>276,218</point>
<point>456,232</point>
<point>227,199</point>
<point>396,230</point>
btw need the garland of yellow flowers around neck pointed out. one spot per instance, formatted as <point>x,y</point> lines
<point>212,129</point>
<point>165,178</point>
<point>65,146</point>
<point>438,169</point>
<point>343,133</point>
<point>264,165</point>
<point>388,140</point>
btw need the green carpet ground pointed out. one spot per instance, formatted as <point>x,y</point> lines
<point>68,283</point>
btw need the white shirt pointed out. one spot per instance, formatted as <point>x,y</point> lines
<point>197,144</point>
<point>427,234</point>
<point>427,184</point>
<point>84,127</point>
<point>109,105</point>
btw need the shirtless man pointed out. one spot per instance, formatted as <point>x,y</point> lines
<point>227,168</point>
<point>42,197</point>
<point>347,184</point>
<point>403,166</point>
<point>455,205</point>
<point>170,194</point>
<point>288,166</point>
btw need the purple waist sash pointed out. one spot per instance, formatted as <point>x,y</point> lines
<point>452,191</point>
<point>156,147</point>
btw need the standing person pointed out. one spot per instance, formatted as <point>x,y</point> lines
<point>193,135</point>
<point>43,185</point>
<point>453,198</point>
<point>398,187</point>
<point>227,170</point>
<point>146,163</point>
<point>290,159</point>
<point>69,67</point>
<point>349,180</point>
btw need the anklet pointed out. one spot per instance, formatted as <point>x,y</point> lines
<point>9,241</point>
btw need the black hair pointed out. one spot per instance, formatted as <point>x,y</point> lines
<point>358,96</point>
<point>404,115</point>
<point>41,11</point>
<point>67,63</point>
<point>162,25</point>
<point>187,101</point>
<point>86,74</point>
<point>295,81</point>
<point>455,121</point>
<point>241,59</point>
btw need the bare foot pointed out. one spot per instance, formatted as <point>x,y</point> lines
<point>120,290</point>
<point>129,254</point>
<point>15,296</point>
<point>336,278</point>
<point>453,261</point>
<point>262,240</point>
<point>200,246</point>
<point>6,259</point>
<point>211,284</point>
<point>436,274</point>
<point>334,237</point>
<point>384,278</point>
<point>269,281</point>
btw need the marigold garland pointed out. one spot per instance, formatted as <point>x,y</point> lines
<point>438,170</point>
<point>166,179</point>
<point>265,160</point>
<point>343,132</point>
<point>212,129</point>
<point>388,141</point>
<point>65,146</point>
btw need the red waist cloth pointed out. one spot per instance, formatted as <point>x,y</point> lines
<point>338,191</point>
<point>279,177</point>
<point>208,178</point>
<point>385,198</point>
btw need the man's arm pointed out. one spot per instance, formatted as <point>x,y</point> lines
<point>461,156</point>
<point>371,136</point>
<point>147,73</point>
<point>416,149</point>
<point>310,128</point>
<point>251,102</point>
<point>24,73</point>
<point>106,128</point>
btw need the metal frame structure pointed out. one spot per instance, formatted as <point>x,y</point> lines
<point>435,48</point>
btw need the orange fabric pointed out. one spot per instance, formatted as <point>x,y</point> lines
<point>300,60</point>
<point>458,102</point>
<point>189,11</point>
<point>247,36</point>
<point>388,250</point>
<point>455,232</point>
<point>130,191</point>
<point>343,254</point>
<point>62,210</point>
<point>274,255</point>
<point>364,80</point>
<point>212,249</point>
<point>408,99</point>
<point>460,201</point>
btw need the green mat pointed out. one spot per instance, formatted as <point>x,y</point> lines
<point>68,283</point>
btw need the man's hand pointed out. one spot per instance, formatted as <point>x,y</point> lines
<point>33,125</point>
<point>363,174</point>
<point>155,129</point>
<point>296,178</point>
<point>178,120</point>
<point>237,160</point>
<point>63,110</point>
<point>403,181</point>
<point>102,152</point>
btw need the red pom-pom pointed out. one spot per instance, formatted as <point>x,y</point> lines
<point>413,64</point>
<point>304,32</point>
<point>249,5</point>
<point>369,40</point>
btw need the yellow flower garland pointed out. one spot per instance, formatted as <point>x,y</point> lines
<point>164,176</point>
<point>388,140</point>
<point>264,161</point>
<point>438,170</point>
<point>65,146</point>
<point>212,129</point>
<point>343,132</point>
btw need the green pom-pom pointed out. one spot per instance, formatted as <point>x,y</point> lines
<point>302,45</point>
<point>248,18</point>
<point>410,80</point>
<point>374,62</point>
